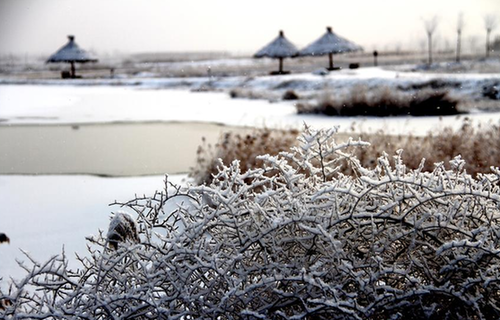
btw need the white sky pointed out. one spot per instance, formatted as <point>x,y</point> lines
<point>109,26</point>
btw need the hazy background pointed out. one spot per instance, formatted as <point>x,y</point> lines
<point>129,26</point>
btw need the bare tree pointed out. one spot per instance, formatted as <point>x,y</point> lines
<point>460,27</point>
<point>430,27</point>
<point>490,24</point>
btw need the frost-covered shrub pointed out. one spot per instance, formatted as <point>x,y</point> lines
<point>293,239</point>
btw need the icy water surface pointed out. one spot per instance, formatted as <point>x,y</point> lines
<point>112,149</point>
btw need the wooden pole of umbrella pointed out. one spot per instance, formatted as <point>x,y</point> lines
<point>72,72</point>
<point>331,66</point>
<point>280,70</point>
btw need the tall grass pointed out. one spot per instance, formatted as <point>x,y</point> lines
<point>242,147</point>
<point>382,102</point>
<point>479,147</point>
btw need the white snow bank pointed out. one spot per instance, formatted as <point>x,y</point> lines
<point>29,104</point>
<point>66,104</point>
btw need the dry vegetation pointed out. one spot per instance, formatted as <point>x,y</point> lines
<point>382,102</point>
<point>479,147</point>
<point>243,93</point>
<point>242,147</point>
<point>270,95</point>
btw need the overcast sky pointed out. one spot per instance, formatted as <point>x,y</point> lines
<point>109,26</point>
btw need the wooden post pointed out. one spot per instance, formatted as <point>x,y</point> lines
<point>330,57</point>
<point>72,69</point>
<point>375,54</point>
<point>281,65</point>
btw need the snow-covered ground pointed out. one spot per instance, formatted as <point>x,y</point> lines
<point>44,214</point>
<point>55,104</point>
<point>467,83</point>
<point>84,104</point>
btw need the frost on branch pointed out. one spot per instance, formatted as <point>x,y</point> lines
<point>294,239</point>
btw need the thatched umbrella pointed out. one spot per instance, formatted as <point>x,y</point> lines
<point>329,44</point>
<point>279,48</point>
<point>71,53</point>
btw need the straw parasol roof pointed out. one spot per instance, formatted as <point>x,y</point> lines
<point>71,53</point>
<point>329,44</point>
<point>279,48</point>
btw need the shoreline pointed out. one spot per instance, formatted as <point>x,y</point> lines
<point>75,124</point>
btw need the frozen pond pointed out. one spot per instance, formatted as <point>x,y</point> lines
<point>118,149</point>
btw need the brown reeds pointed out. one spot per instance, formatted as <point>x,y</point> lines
<point>382,102</point>
<point>478,146</point>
